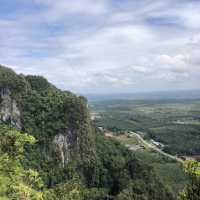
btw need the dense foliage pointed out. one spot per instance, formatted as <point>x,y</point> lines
<point>15,181</point>
<point>125,175</point>
<point>192,190</point>
<point>175,137</point>
<point>119,173</point>
<point>95,167</point>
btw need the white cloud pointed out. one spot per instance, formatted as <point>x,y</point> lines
<point>113,47</point>
<point>110,47</point>
<point>59,9</point>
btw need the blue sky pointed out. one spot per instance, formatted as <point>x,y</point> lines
<point>104,46</point>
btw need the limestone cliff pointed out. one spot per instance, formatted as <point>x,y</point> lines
<point>58,120</point>
<point>9,111</point>
<point>61,146</point>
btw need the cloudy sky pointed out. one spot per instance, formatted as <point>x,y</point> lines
<point>104,46</point>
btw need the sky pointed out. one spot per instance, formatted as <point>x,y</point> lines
<point>104,46</point>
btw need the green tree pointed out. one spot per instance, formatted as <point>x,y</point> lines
<point>16,183</point>
<point>192,190</point>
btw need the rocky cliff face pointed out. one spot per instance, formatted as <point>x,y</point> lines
<point>9,111</point>
<point>61,146</point>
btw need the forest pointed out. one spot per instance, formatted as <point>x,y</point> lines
<point>50,149</point>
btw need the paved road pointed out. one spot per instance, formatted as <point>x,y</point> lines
<point>152,146</point>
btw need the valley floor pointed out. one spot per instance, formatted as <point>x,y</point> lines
<point>166,166</point>
<point>154,147</point>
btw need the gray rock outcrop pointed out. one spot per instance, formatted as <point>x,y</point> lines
<point>61,147</point>
<point>9,111</point>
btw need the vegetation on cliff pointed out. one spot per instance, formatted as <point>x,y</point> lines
<point>192,190</point>
<point>69,159</point>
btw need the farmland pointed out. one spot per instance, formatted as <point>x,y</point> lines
<point>175,123</point>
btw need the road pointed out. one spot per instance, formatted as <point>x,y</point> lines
<point>152,146</point>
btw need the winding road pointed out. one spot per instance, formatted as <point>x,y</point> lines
<point>152,146</point>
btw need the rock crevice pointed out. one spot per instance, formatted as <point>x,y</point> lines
<point>62,148</point>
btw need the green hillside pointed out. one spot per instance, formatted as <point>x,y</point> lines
<point>63,156</point>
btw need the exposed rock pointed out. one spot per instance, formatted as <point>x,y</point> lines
<point>61,147</point>
<point>9,111</point>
